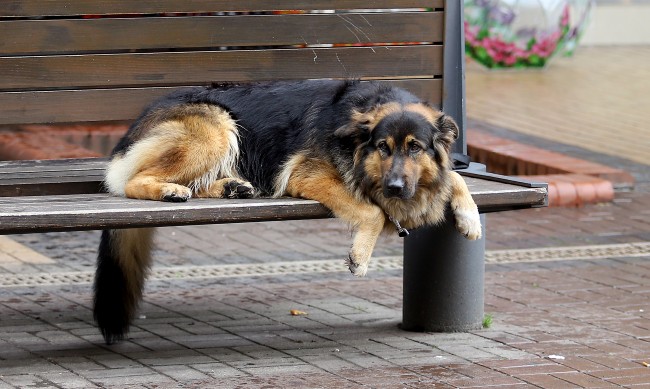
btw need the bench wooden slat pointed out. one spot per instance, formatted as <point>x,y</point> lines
<point>41,37</point>
<point>88,105</point>
<point>62,213</point>
<point>35,8</point>
<point>97,211</point>
<point>52,186</point>
<point>139,69</point>
<point>52,177</point>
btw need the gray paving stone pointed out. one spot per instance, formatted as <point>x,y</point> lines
<point>32,365</point>
<point>94,375</point>
<point>295,369</point>
<point>366,360</point>
<point>219,370</point>
<point>330,362</point>
<point>211,340</point>
<point>171,357</point>
<point>22,380</point>
<point>77,363</point>
<point>115,361</point>
<point>182,373</point>
<point>68,380</point>
<point>147,380</point>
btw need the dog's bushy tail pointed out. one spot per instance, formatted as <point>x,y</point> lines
<point>123,261</point>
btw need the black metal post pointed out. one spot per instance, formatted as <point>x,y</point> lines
<point>443,280</point>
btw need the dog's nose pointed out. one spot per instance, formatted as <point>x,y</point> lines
<point>394,187</point>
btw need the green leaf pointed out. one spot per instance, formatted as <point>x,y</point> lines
<point>487,320</point>
<point>481,53</point>
<point>530,44</point>
<point>534,59</point>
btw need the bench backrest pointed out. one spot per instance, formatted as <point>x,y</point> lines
<point>85,61</point>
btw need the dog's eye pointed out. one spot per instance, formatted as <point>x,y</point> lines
<point>383,147</point>
<point>415,148</point>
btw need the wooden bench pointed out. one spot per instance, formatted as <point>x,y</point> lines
<point>84,61</point>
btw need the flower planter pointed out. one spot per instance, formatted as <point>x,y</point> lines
<point>523,33</point>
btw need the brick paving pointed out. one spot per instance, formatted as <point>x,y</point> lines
<point>238,333</point>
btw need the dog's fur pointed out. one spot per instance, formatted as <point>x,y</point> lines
<point>367,151</point>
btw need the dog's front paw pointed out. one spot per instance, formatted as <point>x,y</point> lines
<point>359,269</point>
<point>468,223</point>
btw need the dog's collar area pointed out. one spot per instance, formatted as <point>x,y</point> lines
<point>401,231</point>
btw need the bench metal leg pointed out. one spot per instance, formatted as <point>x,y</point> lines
<point>443,280</point>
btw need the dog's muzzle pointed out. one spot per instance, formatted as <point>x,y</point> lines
<point>397,188</point>
<point>394,187</point>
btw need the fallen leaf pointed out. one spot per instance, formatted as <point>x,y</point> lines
<point>295,312</point>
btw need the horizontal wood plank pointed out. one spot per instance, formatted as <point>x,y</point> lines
<point>181,68</point>
<point>66,36</point>
<point>52,186</point>
<point>98,211</point>
<point>52,177</point>
<point>36,8</point>
<point>89,105</point>
<point>62,213</point>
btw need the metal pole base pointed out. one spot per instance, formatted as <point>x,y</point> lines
<point>443,280</point>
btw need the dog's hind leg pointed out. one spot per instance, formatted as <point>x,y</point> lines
<point>179,157</point>
<point>468,220</point>
<point>318,180</point>
<point>122,264</point>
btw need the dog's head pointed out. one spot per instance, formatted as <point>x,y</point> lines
<point>402,147</point>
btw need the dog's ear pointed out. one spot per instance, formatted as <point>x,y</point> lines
<point>447,129</point>
<point>353,130</point>
<point>358,126</point>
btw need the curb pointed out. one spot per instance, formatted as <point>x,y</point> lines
<point>575,189</point>
<point>571,181</point>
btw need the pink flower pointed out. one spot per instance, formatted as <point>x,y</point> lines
<point>510,60</point>
<point>501,51</point>
<point>544,48</point>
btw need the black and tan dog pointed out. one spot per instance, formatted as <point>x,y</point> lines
<point>368,151</point>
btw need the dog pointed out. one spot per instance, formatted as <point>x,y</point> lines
<point>375,155</point>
